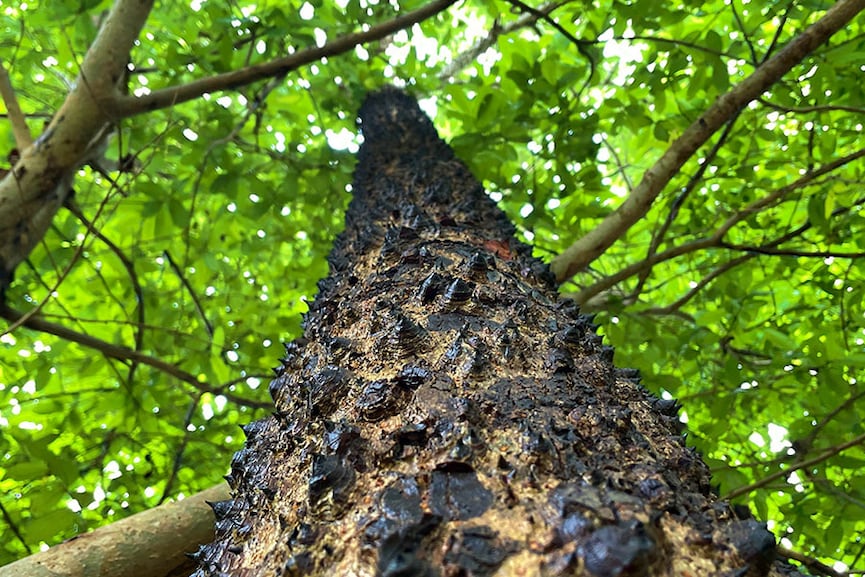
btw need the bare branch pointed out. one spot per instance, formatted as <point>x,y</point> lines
<point>582,45</point>
<point>178,456</point>
<point>696,178</point>
<point>545,16</point>
<point>123,107</point>
<point>778,32</point>
<point>130,271</point>
<point>185,282</point>
<point>14,528</point>
<point>576,257</point>
<point>754,59</point>
<point>674,42</point>
<point>152,543</point>
<point>780,193</point>
<point>621,165</point>
<point>848,403</point>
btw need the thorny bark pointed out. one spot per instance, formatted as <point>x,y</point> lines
<point>446,414</point>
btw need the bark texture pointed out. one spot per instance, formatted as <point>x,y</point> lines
<point>445,414</point>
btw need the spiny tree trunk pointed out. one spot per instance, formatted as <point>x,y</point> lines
<point>445,414</point>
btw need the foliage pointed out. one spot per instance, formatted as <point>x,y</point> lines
<point>204,259</point>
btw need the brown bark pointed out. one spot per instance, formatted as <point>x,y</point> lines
<point>446,414</point>
<point>153,543</point>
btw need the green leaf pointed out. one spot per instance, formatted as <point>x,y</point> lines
<point>27,470</point>
<point>178,212</point>
<point>44,527</point>
<point>780,339</point>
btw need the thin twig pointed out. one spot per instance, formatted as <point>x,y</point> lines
<point>14,528</point>
<point>704,282</point>
<point>468,56</point>
<point>813,565</point>
<point>809,109</point>
<point>615,155</point>
<point>828,453</point>
<point>716,238</point>
<point>208,325</point>
<point>124,354</point>
<point>754,60</point>
<point>680,199</point>
<point>582,45</point>
<point>791,252</point>
<point>133,278</point>
<point>675,42</point>
<point>65,272</point>
<point>178,456</point>
<point>778,31</point>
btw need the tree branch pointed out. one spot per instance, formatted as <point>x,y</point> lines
<point>715,239</point>
<point>791,252</point>
<point>39,183</point>
<point>830,452</point>
<point>778,32</point>
<point>704,282</point>
<point>582,45</point>
<point>577,256</point>
<point>14,528</point>
<point>152,543</point>
<point>809,109</point>
<point>130,271</point>
<point>178,456</point>
<point>122,353</point>
<point>680,199</point>
<point>848,403</point>
<point>810,563</point>
<point>754,59</point>
<point>195,300</point>
<point>675,42</point>
<point>468,56</point>
<point>23,139</point>
<point>122,107</point>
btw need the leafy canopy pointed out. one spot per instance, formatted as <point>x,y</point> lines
<point>202,262</point>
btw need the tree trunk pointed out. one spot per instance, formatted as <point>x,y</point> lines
<point>446,414</point>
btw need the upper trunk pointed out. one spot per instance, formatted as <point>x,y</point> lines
<point>446,414</point>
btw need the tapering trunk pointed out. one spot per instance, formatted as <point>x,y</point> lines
<point>446,414</point>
